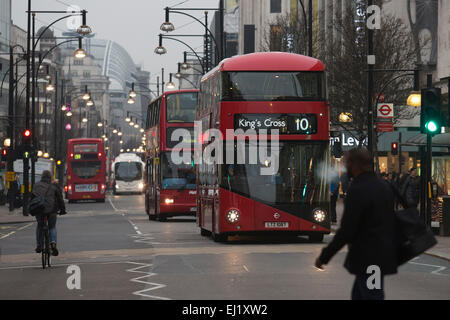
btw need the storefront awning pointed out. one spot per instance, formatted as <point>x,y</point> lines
<point>440,140</point>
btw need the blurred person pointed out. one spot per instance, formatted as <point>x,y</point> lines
<point>334,194</point>
<point>367,227</point>
<point>410,190</point>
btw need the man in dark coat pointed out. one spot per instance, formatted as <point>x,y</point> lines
<point>368,227</point>
<point>54,203</point>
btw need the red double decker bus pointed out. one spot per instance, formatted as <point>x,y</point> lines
<point>263,92</point>
<point>170,185</point>
<point>86,170</point>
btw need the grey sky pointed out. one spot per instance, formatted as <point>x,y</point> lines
<point>134,24</point>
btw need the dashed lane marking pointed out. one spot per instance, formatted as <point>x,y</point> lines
<point>13,232</point>
<point>147,274</point>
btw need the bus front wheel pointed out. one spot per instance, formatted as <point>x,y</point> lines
<point>316,237</point>
<point>219,237</point>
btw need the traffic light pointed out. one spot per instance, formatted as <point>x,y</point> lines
<point>394,148</point>
<point>337,149</point>
<point>26,137</point>
<point>430,115</point>
<point>4,154</point>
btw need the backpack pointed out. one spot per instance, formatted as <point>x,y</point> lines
<point>413,237</point>
<point>37,204</point>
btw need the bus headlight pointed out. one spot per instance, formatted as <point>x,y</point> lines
<point>319,215</point>
<point>141,186</point>
<point>117,186</point>
<point>233,216</point>
<point>168,201</point>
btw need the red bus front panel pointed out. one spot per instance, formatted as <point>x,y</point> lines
<point>86,170</point>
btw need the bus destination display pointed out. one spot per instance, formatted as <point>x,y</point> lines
<point>285,123</point>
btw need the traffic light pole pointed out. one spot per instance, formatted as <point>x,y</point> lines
<point>428,180</point>
<point>429,165</point>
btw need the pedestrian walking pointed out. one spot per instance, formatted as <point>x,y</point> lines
<point>345,183</point>
<point>2,192</point>
<point>12,194</point>
<point>411,188</point>
<point>54,204</point>
<point>368,227</point>
<point>334,194</point>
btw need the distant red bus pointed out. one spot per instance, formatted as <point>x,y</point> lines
<point>86,170</point>
<point>271,90</point>
<point>170,188</point>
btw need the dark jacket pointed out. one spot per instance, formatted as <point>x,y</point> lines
<point>54,201</point>
<point>367,226</point>
<point>411,191</point>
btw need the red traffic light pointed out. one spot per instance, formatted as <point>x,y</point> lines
<point>394,145</point>
<point>27,133</point>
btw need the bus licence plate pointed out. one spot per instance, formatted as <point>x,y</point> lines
<point>280,225</point>
<point>86,188</point>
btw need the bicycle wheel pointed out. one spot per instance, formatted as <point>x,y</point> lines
<point>43,249</point>
<point>47,247</point>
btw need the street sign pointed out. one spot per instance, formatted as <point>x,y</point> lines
<point>385,127</point>
<point>10,176</point>
<point>385,110</point>
<point>380,97</point>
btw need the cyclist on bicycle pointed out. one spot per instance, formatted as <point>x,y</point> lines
<point>54,203</point>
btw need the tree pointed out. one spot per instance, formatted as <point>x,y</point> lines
<point>287,33</point>
<point>346,61</point>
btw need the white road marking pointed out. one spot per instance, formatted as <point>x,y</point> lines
<point>112,205</point>
<point>246,269</point>
<point>154,286</point>
<point>437,271</point>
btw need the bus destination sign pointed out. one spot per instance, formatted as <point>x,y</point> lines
<point>285,123</point>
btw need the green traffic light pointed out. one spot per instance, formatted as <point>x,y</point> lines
<point>431,126</point>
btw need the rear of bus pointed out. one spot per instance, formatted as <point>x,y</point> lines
<point>86,170</point>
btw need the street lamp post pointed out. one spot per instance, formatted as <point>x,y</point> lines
<point>31,46</point>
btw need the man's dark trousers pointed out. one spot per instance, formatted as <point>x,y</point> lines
<point>361,291</point>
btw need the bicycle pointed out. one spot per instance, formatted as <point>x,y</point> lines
<point>45,244</point>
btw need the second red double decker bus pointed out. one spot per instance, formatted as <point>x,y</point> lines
<point>170,187</point>
<point>86,170</point>
<point>270,91</point>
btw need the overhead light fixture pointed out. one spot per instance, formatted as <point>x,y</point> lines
<point>63,108</point>
<point>90,103</point>
<point>80,53</point>
<point>130,100</point>
<point>170,84</point>
<point>85,120</point>
<point>414,99</point>
<point>132,93</point>
<point>115,131</point>
<point>69,114</point>
<point>99,124</point>
<point>160,49</point>
<point>84,29</point>
<point>50,87</point>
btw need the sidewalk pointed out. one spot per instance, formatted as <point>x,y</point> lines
<point>16,216</point>
<point>440,250</point>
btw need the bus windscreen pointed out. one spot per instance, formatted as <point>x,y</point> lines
<point>128,171</point>
<point>85,169</point>
<point>273,86</point>
<point>180,107</point>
